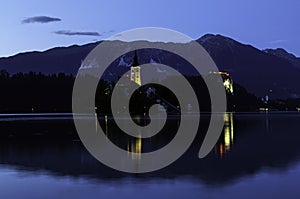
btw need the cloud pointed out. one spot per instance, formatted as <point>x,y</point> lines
<point>40,19</point>
<point>80,33</point>
<point>118,35</point>
<point>277,41</point>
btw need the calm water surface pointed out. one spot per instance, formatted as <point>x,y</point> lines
<point>257,156</point>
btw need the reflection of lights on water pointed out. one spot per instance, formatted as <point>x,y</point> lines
<point>135,148</point>
<point>96,121</point>
<point>227,138</point>
<point>106,128</point>
<point>221,150</point>
<point>128,149</point>
<point>231,127</point>
<point>228,131</point>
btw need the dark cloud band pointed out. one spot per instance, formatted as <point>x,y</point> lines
<point>40,19</point>
<point>80,33</point>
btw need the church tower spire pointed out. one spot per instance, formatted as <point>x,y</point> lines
<point>135,70</point>
<point>135,59</point>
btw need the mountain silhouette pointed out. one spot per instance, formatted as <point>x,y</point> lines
<point>262,72</point>
<point>283,54</point>
<point>55,60</point>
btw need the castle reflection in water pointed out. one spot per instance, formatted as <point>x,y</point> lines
<point>227,139</point>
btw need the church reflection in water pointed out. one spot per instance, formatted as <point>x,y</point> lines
<point>134,149</point>
<point>223,146</point>
<point>65,154</point>
<point>133,145</point>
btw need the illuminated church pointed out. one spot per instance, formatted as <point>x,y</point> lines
<point>135,71</point>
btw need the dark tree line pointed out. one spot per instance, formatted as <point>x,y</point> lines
<point>37,92</point>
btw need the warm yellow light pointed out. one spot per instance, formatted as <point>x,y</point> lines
<point>226,118</point>
<point>136,74</point>
<point>136,149</point>
<point>228,131</point>
<point>231,127</point>
<point>227,137</point>
<point>263,109</point>
<point>226,83</point>
<point>231,89</point>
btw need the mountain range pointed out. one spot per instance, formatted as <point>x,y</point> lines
<point>270,72</point>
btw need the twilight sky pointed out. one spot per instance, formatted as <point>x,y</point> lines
<point>39,25</point>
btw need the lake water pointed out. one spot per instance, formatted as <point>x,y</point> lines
<point>257,156</point>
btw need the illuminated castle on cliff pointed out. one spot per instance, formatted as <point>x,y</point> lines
<point>227,81</point>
